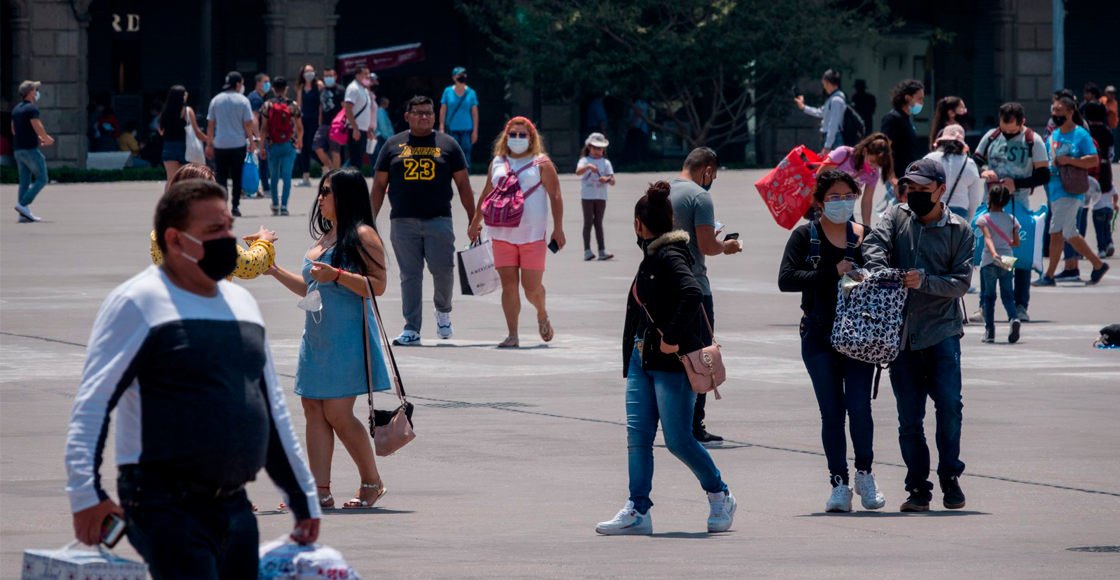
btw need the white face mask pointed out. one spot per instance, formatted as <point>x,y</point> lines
<point>309,75</point>
<point>518,145</point>
<point>312,303</point>
<point>241,90</point>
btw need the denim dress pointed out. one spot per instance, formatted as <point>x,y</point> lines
<point>331,362</point>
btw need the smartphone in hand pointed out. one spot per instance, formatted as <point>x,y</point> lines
<point>112,530</point>
<point>732,236</point>
<point>555,247</point>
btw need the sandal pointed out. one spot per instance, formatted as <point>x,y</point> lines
<point>546,329</point>
<point>358,502</point>
<point>327,501</point>
<point>510,342</point>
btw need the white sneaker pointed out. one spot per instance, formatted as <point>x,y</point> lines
<point>443,325</point>
<point>868,491</point>
<point>628,522</point>
<point>304,183</point>
<point>841,499</point>
<point>721,511</point>
<point>407,338</point>
<point>25,211</point>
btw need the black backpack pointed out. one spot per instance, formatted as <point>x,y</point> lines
<point>852,129</point>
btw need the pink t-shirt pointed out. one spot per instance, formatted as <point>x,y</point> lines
<point>867,177</point>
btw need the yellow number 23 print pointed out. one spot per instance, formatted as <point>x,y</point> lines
<point>419,169</point>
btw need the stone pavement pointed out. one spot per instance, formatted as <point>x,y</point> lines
<point>520,453</point>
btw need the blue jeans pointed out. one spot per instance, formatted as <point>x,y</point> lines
<point>31,164</point>
<point>961,212</point>
<point>653,395</point>
<point>1022,287</point>
<point>843,387</point>
<point>463,138</point>
<point>1082,226</point>
<point>1102,224</point>
<point>281,158</point>
<point>992,276</point>
<point>933,372</point>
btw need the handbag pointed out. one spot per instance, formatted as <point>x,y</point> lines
<point>390,430</point>
<point>704,367</point>
<point>1075,180</point>
<point>196,153</point>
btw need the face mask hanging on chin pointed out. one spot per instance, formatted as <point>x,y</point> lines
<point>313,303</point>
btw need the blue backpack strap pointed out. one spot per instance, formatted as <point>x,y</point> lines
<point>814,257</point>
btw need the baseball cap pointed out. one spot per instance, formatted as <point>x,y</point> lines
<point>597,140</point>
<point>458,71</point>
<point>232,79</point>
<point>27,86</point>
<point>924,171</point>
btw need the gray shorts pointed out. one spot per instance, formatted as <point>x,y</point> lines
<point>1063,217</point>
<point>322,140</point>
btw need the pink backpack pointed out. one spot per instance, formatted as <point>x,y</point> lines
<point>505,204</point>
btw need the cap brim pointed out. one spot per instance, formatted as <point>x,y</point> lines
<point>918,180</point>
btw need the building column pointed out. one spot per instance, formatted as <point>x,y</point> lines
<point>21,59</point>
<point>274,41</point>
<point>56,55</point>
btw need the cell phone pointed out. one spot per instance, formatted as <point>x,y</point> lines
<point>796,92</point>
<point>112,530</point>
<point>554,246</point>
<point>732,236</point>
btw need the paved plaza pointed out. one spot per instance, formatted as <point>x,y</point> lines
<point>520,453</point>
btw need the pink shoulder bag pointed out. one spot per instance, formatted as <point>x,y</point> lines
<point>390,430</point>
<point>705,366</point>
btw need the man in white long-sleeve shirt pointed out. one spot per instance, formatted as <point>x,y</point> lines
<point>831,114</point>
<point>183,357</point>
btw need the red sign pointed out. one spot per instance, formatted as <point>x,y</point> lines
<point>381,58</point>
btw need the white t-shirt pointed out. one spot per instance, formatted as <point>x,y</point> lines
<point>534,222</point>
<point>970,189</point>
<point>1106,198</point>
<point>589,186</point>
<point>359,95</point>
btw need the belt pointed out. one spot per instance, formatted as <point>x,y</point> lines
<point>135,472</point>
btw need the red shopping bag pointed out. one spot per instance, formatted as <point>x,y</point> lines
<point>788,189</point>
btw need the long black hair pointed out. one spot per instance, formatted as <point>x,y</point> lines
<point>173,106</point>
<point>655,210</point>
<point>352,210</point>
<point>941,117</point>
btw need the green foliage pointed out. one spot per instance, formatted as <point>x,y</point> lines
<point>706,67</point>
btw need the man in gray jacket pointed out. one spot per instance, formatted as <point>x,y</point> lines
<point>934,246</point>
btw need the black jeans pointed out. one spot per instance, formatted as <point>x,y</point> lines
<point>357,148</point>
<point>188,536</point>
<point>702,398</point>
<point>843,388</point>
<point>229,163</point>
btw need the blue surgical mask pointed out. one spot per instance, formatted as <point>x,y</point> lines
<point>329,81</point>
<point>266,86</point>
<point>915,108</point>
<point>839,212</point>
<point>38,95</point>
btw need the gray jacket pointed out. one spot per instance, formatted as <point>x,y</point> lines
<point>942,252</point>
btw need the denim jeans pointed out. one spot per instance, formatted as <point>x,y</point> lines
<point>31,164</point>
<point>961,212</point>
<point>1082,226</point>
<point>1022,287</point>
<point>654,395</point>
<point>1102,224</point>
<point>933,372</point>
<point>463,138</point>
<point>416,241</point>
<point>281,158</point>
<point>991,277</point>
<point>187,536</point>
<point>843,387</point>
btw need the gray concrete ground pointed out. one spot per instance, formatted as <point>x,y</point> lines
<point>520,453</point>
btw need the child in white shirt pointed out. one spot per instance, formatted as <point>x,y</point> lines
<point>597,173</point>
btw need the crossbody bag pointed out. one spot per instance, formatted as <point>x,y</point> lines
<point>390,430</point>
<point>704,367</point>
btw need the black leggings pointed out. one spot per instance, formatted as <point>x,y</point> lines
<point>593,210</point>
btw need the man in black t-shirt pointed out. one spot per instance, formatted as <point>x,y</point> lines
<point>418,167</point>
<point>27,135</point>
<point>330,104</point>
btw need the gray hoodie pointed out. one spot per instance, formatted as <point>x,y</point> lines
<point>942,251</point>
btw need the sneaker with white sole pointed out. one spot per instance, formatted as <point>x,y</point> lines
<point>25,211</point>
<point>588,255</point>
<point>1021,313</point>
<point>443,325</point>
<point>407,338</point>
<point>628,522</point>
<point>721,511</point>
<point>868,491</point>
<point>841,499</point>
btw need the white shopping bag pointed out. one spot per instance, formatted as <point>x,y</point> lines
<point>477,274</point>
<point>283,559</point>
<point>70,563</point>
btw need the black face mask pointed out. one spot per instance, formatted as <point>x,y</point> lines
<point>1059,120</point>
<point>1010,136</point>
<point>219,258</point>
<point>462,79</point>
<point>921,202</point>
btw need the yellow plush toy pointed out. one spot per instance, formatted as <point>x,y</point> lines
<point>250,263</point>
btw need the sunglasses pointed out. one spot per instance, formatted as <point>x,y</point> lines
<point>513,135</point>
<point>325,191</point>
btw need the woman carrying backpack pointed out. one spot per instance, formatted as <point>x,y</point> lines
<point>519,243</point>
<point>665,319</point>
<point>817,255</point>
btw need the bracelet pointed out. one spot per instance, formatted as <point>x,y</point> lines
<point>339,275</point>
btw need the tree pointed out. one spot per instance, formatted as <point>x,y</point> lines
<point>707,67</point>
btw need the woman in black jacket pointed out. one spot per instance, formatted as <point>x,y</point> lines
<point>657,386</point>
<point>817,255</point>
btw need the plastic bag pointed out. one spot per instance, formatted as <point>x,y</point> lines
<point>283,559</point>
<point>250,174</point>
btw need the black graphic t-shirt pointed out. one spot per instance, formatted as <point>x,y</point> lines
<point>420,170</point>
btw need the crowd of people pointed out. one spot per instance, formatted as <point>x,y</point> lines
<point>186,309</point>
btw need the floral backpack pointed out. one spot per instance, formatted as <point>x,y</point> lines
<point>505,204</point>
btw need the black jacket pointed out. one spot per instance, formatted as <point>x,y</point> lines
<point>899,127</point>
<point>674,299</point>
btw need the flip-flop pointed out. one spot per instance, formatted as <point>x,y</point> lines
<point>358,502</point>
<point>545,329</point>
<point>510,342</point>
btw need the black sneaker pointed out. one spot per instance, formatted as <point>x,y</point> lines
<point>1068,276</point>
<point>1014,336</point>
<point>917,502</point>
<point>1097,274</point>
<point>954,497</point>
<point>236,212</point>
<point>707,439</point>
